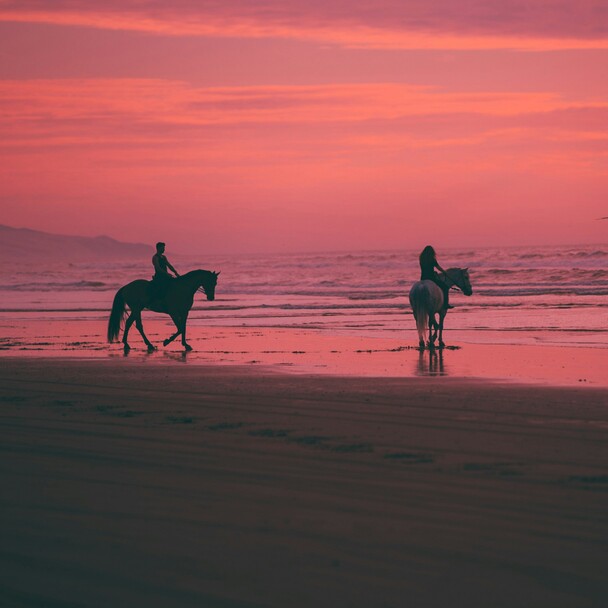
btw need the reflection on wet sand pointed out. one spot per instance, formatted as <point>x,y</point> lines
<point>430,363</point>
<point>305,351</point>
<point>179,356</point>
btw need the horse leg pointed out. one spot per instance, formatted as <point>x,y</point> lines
<point>420,329</point>
<point>185,344</point>
<point>431,337</point>
<point>125,334</point>
<point>432,330</point>
<point>140,328</point>
<point>176,320</point>
<point>441,318</point>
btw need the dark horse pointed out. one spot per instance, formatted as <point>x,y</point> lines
<point>176,303</point>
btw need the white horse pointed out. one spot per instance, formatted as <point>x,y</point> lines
<point>426,299</point>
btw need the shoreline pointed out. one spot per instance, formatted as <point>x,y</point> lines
<point>206,485</point>
<point>316,352</point>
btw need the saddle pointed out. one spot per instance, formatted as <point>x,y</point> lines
<point>157,289</point>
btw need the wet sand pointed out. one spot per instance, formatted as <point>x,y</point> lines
<point>126,483</point>
<point>305,351</point>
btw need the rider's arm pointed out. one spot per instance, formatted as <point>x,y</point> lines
<point>439,267</point>
<point>172,269</point>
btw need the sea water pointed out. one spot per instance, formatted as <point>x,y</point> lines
<point>554,295</point>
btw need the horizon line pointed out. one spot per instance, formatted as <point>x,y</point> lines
<point>301,251</point>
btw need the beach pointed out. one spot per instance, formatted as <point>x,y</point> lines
<point>128,483</point>
<point>307,190</point>
<point>306,452</point>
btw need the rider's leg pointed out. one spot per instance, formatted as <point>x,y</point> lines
<point>159,286</point>
<point>446,298</point>
<point>446,293</point>
<point>154,289</point>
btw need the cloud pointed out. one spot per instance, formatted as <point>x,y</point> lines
<point>100,101</point>
<point>120,147</point>
<point>140,125</point>
<point>385,24</point>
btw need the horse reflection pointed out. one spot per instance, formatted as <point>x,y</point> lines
<point>430,363</point>
<point>180,357</point>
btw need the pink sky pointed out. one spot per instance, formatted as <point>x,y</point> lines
<point>278,126</point>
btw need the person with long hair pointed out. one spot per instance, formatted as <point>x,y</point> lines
<point>428,263</point>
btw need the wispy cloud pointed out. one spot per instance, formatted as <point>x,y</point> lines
<point>390,24</point>
<point>151,101</point>
<point>145,122</point>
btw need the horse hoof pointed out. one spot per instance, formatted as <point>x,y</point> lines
<point>421,345</point>
<point>441,344</point>
<point>187,347</point>
<point>151,348</point>
<point>126,347</point>
<point>166,342</point>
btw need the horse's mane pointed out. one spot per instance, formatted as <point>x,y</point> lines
<point>191,273</point>
<point>456,269</point>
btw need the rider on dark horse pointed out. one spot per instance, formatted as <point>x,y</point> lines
<point>161,280</point>
<point>428,263</point>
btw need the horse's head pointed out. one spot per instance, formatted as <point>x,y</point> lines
<point>209,283</point>
<point>465,285</point>
<point>459,277</point>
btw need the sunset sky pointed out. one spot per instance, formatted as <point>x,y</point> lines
<point>246,126</point>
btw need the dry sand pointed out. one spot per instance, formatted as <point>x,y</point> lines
<point>126,484</point>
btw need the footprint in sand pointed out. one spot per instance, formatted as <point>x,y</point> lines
<point>505,469</point>
<point>308,440</point>
<point>353,447</point>
<point>279,433</point>
<point>410,457</point>
<point>180,419</point>
<point>225,426</point>
<point>592,482</point>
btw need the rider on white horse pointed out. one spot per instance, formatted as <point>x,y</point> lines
<point>428,263</point>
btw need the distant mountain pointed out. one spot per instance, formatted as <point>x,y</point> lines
<point>25,245</point>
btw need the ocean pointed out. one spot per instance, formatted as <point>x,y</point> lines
<point>548,295</point>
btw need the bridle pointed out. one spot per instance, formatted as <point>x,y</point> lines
<point>454,283</point>
<point>202,289</point>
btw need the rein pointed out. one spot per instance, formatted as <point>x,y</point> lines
<point>454,283</point>
<point>202,286</point>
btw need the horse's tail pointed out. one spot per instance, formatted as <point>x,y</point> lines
<point>116,316</point>
<point>420,302</point>
<point>421,314</point>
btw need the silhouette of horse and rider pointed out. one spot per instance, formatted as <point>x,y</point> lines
<point>430,296</point>
<point>175,296</point>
